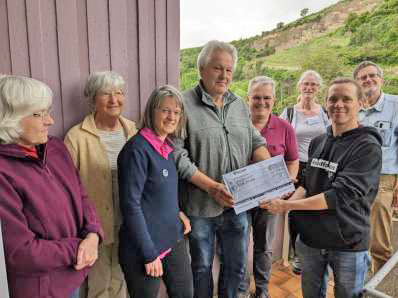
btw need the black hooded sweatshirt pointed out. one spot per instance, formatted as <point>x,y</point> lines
<point>346,169</point>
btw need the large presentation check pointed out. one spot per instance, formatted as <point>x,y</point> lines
<point>258,182</point>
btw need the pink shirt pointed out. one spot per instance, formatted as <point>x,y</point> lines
<point>164,149</point>
<point>281,138</point>
<point>161,147</point>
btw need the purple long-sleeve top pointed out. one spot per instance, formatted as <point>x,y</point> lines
<point>45,213</point>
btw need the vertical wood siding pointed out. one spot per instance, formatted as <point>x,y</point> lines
<point>60,42</point>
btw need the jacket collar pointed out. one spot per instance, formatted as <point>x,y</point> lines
<point>206,98</point>
<point>88,125</point>
<point>14,150</point>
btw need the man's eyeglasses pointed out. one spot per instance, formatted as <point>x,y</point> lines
<point>258,98</point>
<point>370,75</point>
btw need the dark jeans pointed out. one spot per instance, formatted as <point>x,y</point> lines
<point>263,224</point>
<point>177,275</point>
<point>231,231</point>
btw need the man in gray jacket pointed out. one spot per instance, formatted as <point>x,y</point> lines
<point>220,139</point>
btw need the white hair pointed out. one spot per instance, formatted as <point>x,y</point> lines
<point>262,81</point>
<point>212,46</point>
<point>20,97</point>
<point>308,73</point>
<point>102,81</point>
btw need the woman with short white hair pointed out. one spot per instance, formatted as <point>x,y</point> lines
<point>50,229</point>
<point>94,145</point>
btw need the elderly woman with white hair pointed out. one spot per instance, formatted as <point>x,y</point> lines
<point>94,145</point>
<point>152,244</point>
<point>309,119</point>
<point>50,229</point>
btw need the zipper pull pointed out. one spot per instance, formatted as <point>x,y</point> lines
<point>226,130</point>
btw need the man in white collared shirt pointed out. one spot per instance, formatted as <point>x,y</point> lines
<point>381,112</point>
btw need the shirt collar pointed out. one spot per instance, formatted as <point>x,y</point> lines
<point>271,121</point>
<point>378,106</point>
<point>163,148</point>
<point>32,152</point>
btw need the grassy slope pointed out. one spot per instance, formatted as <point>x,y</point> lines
<point>331,54</point>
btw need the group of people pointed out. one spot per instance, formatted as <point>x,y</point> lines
<point>120,205</point>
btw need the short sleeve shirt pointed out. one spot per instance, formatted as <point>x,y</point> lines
<point>281,138</point>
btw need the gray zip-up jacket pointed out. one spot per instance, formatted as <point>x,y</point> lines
<point>219,140</point>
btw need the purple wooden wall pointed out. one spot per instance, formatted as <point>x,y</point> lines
<point>61,41</point>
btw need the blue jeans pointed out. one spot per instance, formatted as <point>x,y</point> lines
<point>349,269</point>
<point>231,231</point>
<point>76,293</point>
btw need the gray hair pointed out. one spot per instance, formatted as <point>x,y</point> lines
<point>212,46</point>
<point>101,81</point>
<point>307,73</point>
<point>263,81</point>
<point>364,64</point>
<point>20,97</point>
<point>155,100</point>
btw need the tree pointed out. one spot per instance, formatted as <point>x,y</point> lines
<point>304,12</point>
<point>280,25</point>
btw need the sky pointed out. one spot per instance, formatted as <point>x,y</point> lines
<point>227,20</point>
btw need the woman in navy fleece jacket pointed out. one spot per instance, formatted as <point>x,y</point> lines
<point>50,229</point>
<point>152,242</point>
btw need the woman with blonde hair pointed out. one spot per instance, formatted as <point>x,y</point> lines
<point>309,119</point>
<point>152,244</point>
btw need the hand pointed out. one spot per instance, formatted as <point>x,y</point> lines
<point>87,252</point>
<point>154,268</point>
<point>286,195</point>
<point>275,206</point>
<point>222,196</point>
<point>186,222</point>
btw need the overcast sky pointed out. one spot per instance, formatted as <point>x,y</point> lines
<point>227,20</point>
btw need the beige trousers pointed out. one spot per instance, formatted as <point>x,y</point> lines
<point>381,222</point>
<point>106,279</point>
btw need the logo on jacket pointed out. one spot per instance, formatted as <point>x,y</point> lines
<point>165,173</point>
<point>330,167</point>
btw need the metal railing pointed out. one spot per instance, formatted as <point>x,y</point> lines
<point>370,287</point>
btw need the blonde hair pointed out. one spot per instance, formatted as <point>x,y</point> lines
<point>155,99</point>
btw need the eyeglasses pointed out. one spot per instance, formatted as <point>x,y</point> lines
<point>42,114</point>
<point>170,112</point>
<point>370,75</point>
<point>310,84</point>
<point>258,98</point>
<point>117,93</point>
